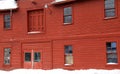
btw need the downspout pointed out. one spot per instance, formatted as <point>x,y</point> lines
<point>10,13</point>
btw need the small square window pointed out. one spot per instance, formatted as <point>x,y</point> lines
<point>27,57</point>
<point>37,57</point>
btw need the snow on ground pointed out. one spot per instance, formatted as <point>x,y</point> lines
<point>59,71</point>
<point>8,4</point>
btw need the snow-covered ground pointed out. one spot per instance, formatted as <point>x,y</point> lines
<point>59,71</point>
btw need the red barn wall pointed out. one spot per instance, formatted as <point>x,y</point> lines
<point>88,34</point>
<point>87,53</point>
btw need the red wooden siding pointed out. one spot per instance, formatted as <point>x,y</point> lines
<point>88,34</point>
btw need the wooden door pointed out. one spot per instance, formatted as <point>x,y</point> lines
<point>32,59</point>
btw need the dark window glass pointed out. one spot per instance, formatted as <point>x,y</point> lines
<point>68,49</point>
<point>27,57</point>
<point>7,23</point>
<point>7,56</point>
<point>68,15</point>
<point>36,56</point>
<point>111,52</point>
<point>110,8</point>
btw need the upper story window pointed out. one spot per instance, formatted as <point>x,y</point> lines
<point>68,15</point>
<point>111,52</point>
<point>35,21</point>
<point>68,55</point>
<point>110,8</point>
<point>7,21</point>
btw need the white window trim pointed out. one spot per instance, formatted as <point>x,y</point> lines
<point>34,32</point>
<point>112,63</point>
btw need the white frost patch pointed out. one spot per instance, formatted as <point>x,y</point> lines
<point>59,0</point>
<point>60,71</point>
<point>8,4</point>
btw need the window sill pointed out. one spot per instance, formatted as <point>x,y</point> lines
<point>67,23</point>
<point>68,64</point>
<point>7,28</point>
<point>107,18</point>
<point>34,32</point>
<point>112,63</point>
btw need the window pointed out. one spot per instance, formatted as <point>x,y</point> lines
<point>7,56</point>
<point>68,15</point>
<point>35,21</point>
<point>7,21</point>
<point>111,52</point>
<point>109,8</point>
<point>36,56</point>
<point>68,55</point>
<point>27,57</point>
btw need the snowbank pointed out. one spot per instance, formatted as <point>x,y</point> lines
<point>8,4</point>
<point>60,71</point>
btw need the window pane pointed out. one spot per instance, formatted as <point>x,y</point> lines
<point>37,57</point>
<point>112,60</point>
<point>7,56</point>
<point>7,17</point>
<point>108,44</point>
<point>68,19</point>
<point>68,11</point>
<point>110,13</point>
<point>7,21</point>
<point>68,49</point>
<point>7,24</point>
<point>113,44</point>
<point>113,55</point>
<point>69,59</point>
<point>109,4</point>
<point>27,57</point>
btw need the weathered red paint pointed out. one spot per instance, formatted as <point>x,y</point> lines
<point>88,34</point>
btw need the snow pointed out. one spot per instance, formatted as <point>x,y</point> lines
<point>8,4</point>
<point>60,71</point>
<point>59,0</point>
<point>113,63</point>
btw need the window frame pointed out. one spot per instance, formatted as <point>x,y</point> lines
<point>112,52</point>
<point>115,10</point>
<point>9,56</point>
<point>66,64</point>
<point>4,21</point>
<point>69,23</point>
<point>37,58</point>
<point>25,57</point>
